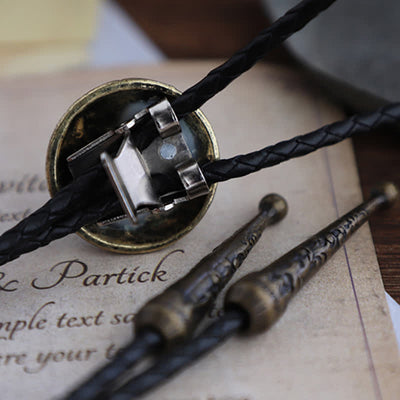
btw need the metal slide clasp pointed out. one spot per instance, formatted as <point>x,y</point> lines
<point>130,171</point>
<point>153,178</point>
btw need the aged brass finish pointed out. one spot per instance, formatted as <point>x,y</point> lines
<point>105,108</point>
<point>264,295</point>
<point>176,312</point>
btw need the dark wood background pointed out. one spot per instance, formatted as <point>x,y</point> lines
<point>217,28</point>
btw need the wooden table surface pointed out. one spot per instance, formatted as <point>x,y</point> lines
<point>216,29</point>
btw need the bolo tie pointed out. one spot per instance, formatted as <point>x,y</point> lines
<point>146,176</point>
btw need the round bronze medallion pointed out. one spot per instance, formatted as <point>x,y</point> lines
<point>105,108</point>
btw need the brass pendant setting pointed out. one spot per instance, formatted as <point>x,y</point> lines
<point>103,110</point>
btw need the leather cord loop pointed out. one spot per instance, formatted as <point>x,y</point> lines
<point>90,197</point>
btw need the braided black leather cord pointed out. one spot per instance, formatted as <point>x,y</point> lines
<point>222,170</point>
<point>37,230</point>
<point>216,80</point>
<point>99,384</point>
<point>229,324</point>
<point>219,78</point>
<point>70,209</point>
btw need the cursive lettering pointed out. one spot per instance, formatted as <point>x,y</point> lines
<point>10,286</point>
<point>43,359</point>
<point>12,327</point>
<point>78,322</point>
<point>75,269</point>
<point>67,272</point>
<point>28,184</point>
<point>14,216</point>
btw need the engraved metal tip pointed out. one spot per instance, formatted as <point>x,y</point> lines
<point>264,295</point>
<point>275,206</point>
<point>388,190</point>
<point>176,312</point>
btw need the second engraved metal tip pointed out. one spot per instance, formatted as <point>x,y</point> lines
<point>264,294</point>
<point>389,192</point>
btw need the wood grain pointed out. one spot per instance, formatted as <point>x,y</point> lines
<point>378,159</point>
<point>210,29</point>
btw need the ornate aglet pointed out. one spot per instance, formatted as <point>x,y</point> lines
<point>265,294</point>
<point>176,312</point>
